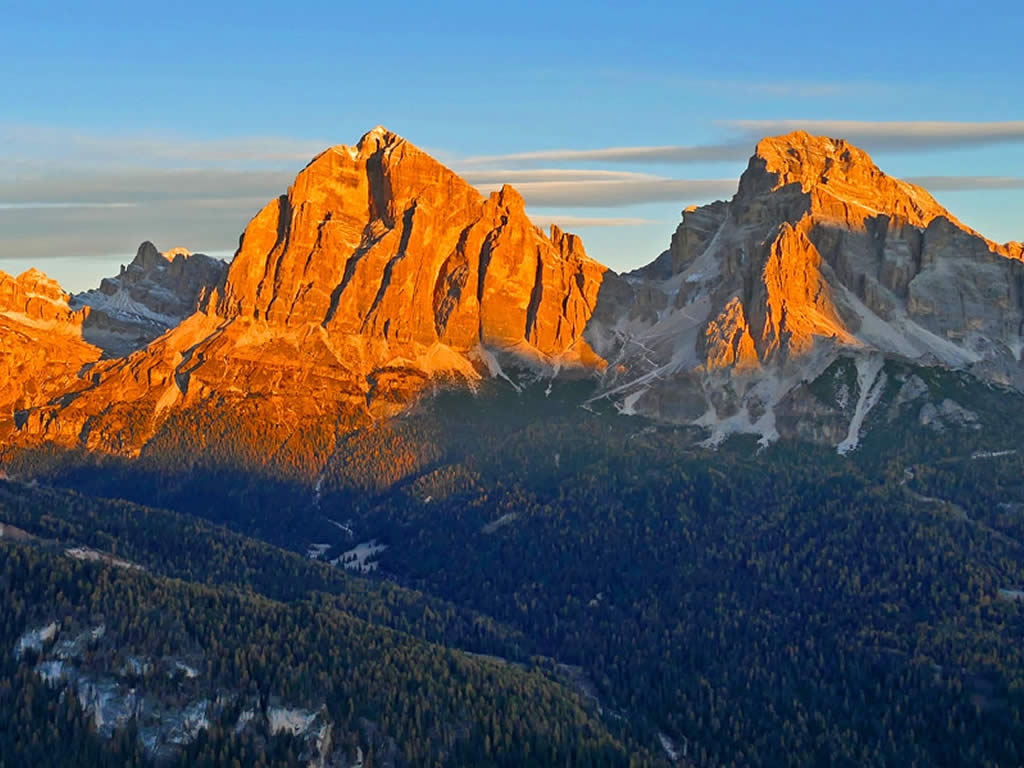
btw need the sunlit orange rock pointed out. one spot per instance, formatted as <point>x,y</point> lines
<point>41,350</point>
<point>381,274</point>
<point>383,242</point>
<point>379,271</point>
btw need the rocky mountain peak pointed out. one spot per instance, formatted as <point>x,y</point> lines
<point>840,181</point>
<point>380,271</point>
<point>384,243</point>
<point>41,347</point>
<point>819,253</point>
<point>153,293</point>
<point>35,296</point>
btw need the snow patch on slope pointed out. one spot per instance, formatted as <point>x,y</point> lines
<point>359,558</point>
<point>670,747</point>
<point>91,555</point>
<point>870,385</point>
<point>122,306</point>
<point>35,639</point>
<point>494,367</point>
<point>293,721</point>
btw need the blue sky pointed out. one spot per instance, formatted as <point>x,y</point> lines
<point>175,122</point>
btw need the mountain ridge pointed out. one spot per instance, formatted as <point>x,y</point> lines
<point>381,271</point>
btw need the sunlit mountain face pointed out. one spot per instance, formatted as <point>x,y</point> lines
<point>411,481</point>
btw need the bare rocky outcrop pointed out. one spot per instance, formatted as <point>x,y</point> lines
<point>819,253</point>
<point>382,243</point>
<point>381,272</point>
<point>154,293</point>
<point>42,354</point>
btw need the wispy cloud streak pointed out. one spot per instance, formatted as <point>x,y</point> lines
<point>517,176</point>
<point>709,153</point>
<point>545,220</point>
<point>877,136</point>
<point>612,194</point>
<point>146,185</point>
<point>967,183</point>
<point>60,148</point>
<point>895,135</point>
<point>44,206</point>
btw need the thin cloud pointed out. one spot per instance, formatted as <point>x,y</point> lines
<point>707,153</point>
<point>614,194</point>
<point>144,185</point>
<point>566,222</point>
<point>894,135</point>
<point>966,183</point>
<point>34,206</point>
<point>43,147</point>
<point>41,234</point>
<point>534,175</point>
<point>902,136</point>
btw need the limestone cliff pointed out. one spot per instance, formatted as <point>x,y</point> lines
<point>379,271</point>
<point>381,242</point>
<point>819,251</point>
<point>42,354</point>
<point>154,293</point>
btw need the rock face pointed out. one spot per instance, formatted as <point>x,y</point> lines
<point>382,243</point>
<point>152,294</point>
<point>379,270</point>
<point>819,252</point>
<point>42,353</point>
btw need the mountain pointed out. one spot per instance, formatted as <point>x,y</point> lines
<point>511,542</point>
<point>378,271</point>
<point>42,352</point>
<point>819,254</point>
<point>381,274</point>
<point>155,292</point>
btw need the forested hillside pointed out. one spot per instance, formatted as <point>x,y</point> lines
<point>716,606</point>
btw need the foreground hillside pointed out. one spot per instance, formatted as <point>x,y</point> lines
<point>783,607</point>
<point>218,668</point>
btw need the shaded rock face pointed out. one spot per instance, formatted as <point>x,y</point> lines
<point>152,294</point>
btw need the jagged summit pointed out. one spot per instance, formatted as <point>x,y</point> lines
<point>844,182</point>
<point>378,138</point>
<point>391,246</point>
<point>380,271</point>
<point>153,293</point>
<point>836,172</point>
<point>35,296</point>
<point>42,351</point>
<point>819,253</point>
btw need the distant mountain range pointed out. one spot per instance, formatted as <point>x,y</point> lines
<point>381,273</point>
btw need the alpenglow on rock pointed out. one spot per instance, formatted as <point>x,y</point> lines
<point>381,273</point>
<point>42,353</point>
<point>377,272</point>
<point>818,253</point>
<point>381,242</point>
